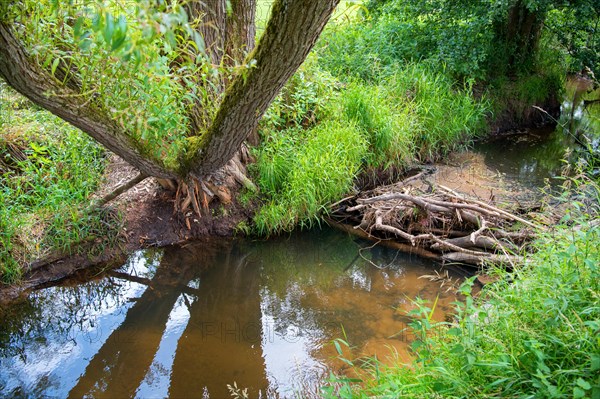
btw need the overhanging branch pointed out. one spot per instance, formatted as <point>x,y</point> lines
<point>25,76</point>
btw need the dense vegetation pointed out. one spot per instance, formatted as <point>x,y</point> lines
<point>390,84</point>
<point>48,172</point>
<point>408,82</point>
<point>315,145</point>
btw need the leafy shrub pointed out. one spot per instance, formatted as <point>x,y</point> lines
<point>303,100</point>
<point>41,199</point>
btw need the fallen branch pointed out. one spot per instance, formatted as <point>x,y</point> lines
<point>120,190</point>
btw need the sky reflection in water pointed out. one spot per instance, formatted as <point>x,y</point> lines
<point>186,322</point>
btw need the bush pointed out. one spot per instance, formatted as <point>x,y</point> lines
<point>51,170</point>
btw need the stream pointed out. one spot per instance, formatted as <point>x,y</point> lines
<point>186,322</point>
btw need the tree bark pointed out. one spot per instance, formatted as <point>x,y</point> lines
<point>241,30</point>
<point>212,14</point>
<point>25,76</point>
<point>228,36</point>
<point>523,30</point>
<point>291,33</point>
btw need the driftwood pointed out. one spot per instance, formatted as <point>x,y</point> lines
<point>420,216</point>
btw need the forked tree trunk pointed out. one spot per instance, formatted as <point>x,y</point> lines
<point>291,33</point>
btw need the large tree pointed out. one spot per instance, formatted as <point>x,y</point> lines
<point>490,38</point>
<point>89,61</point>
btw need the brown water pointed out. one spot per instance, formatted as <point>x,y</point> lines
<point>187,322</point>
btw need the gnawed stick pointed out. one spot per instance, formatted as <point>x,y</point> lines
<point>490,207</point>
<point>478,260</point>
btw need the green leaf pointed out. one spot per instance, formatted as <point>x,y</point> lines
<point>117,42</point>
<point>584,384</point>
<point>338,348</point>
<point>85,44</point>
<point>578,393</point>
<point>77,28</point>
<point>109,27</point>
<point>595,362</point>
<point>438,387</point>
<point>122,24</point>
<point>54,65</point>
<point>455,331</point>
<point>199,40</point>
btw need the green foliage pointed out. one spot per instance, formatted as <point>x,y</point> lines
<point>50,174</point>
<point>412,115</point>
<point>322,169</point>
<point>302,101</point>
<point>533,334</point>
<point>397,33</point>
<point>575,30</point>
<point>448,116</point>
<point>139,62</point>
<point>388,127</point>
<point>473,39</point>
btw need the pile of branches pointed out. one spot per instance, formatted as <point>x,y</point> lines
<point>438,222</point>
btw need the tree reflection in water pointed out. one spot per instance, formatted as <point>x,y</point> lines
<point>261,314</point>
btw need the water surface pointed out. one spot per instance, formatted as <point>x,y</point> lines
<point>187,322</point>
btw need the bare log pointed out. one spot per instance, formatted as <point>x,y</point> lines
<point>479,260</point>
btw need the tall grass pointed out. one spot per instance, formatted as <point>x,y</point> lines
<point>305,174</point>
<point>43,191</point>
<point>414,115</point>
<point>533,334</point>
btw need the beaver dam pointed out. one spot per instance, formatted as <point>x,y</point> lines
<point>454,213</point>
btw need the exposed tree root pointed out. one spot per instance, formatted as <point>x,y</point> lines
<point>193,196</point>
<point>418,213</point>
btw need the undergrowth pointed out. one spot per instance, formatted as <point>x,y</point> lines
<point>48,170</point>
<point>414,115</point>
<point>533,334</point>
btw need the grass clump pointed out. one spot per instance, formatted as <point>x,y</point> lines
<point>305,173</point>
<point>533,334</point>
<point>48,170</point>
<point>414,115</point>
